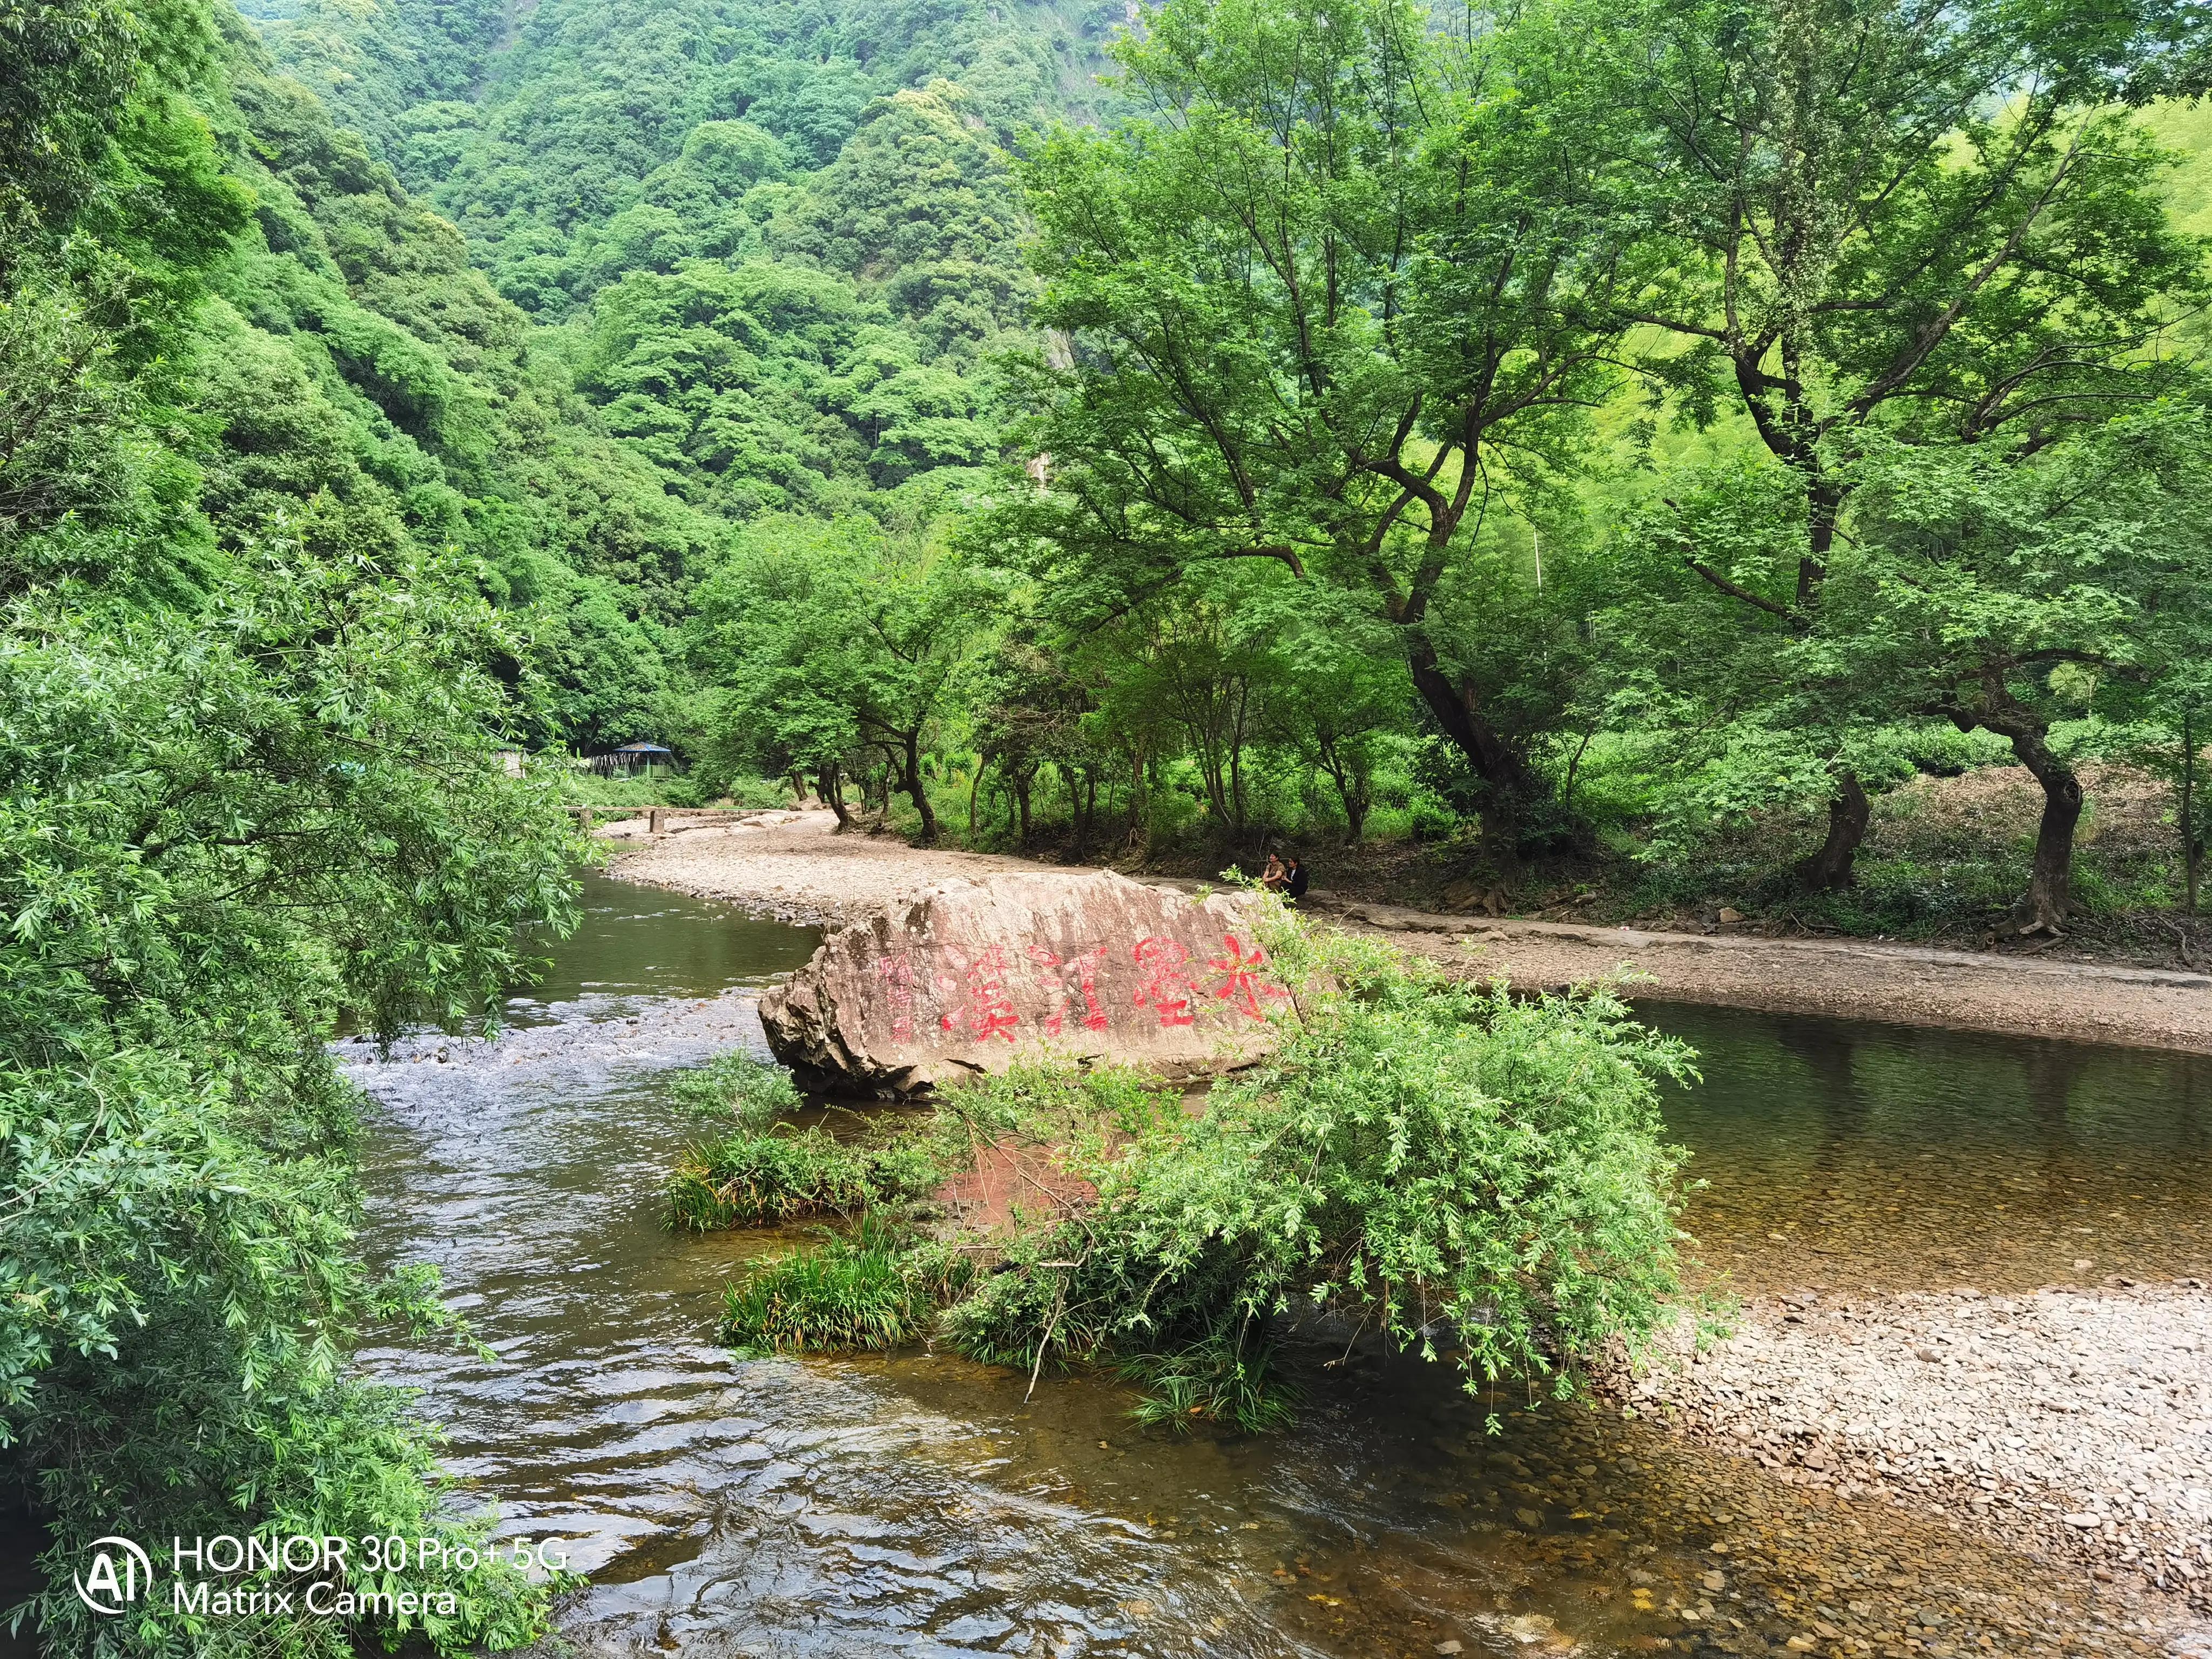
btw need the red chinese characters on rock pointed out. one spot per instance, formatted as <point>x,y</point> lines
<point>974,989</point>
<point>979,981</point>
<point>1055,973</point>
<point>1241,978</point>
<point>1168,987</point>
<point>896,973</point>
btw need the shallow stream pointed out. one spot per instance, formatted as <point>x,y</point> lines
<point>917,1505</point>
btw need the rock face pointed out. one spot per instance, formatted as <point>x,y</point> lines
<point>973,977</point>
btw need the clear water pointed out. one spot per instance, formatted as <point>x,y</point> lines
<point>920,1504</point>
<point>1853,1155</point>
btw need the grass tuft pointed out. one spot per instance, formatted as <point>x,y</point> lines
<point>845,1293</point>
<point>751,1179</point>
<point>1213,1381</point>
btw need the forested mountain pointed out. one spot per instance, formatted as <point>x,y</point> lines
<point>849,266</point>
<point>781,238</point>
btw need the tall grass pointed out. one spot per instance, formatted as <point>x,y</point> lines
<point>873,1290</point>
<point>753,1179</point>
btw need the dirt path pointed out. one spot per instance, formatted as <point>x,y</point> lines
<point>790,865</point>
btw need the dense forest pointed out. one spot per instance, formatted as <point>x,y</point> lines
<point>1144,443</point>
<point>1656,444</point>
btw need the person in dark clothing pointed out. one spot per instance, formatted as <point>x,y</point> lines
<point>1294,878</point>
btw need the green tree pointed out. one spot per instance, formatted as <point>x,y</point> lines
<point>921,203</point>
<point>2005,596</point>
<point>1337,701</point>
<point>1350,277</point>
<point>226,825</point>
<point>65,71</point>
<point>246,724</point>
<point>1883,216</point>
<point>832,638</point>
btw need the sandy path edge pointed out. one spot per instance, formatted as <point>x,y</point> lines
<point>792,866</point>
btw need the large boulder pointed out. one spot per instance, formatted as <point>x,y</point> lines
<point>973,977</point>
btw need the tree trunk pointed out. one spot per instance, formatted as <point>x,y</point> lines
<point>2192,843</point>
<point>911,783</point>
<point>833,796</point>
<point>1217,781</point>
<point>975,784</point>
<point>798,782</point>
<point>1829,870</point>
<point>1021,782</point>
<point>2050,878</point>
<point>1510,785</point>
<point>1240,805</point>
<point>1144,778</point>
<point>1352,797</point>
<point>1351,790</point>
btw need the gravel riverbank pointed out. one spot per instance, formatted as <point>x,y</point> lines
<point>2075,1424</point>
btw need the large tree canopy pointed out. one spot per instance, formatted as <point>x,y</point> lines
<point>1884,221</point>
<point>1349,278</point>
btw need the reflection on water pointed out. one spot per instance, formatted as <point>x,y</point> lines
<point>917,1504</point>
<point>637,943</point>
<point>1894,1157</point>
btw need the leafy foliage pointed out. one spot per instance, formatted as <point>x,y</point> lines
<point>1478,1179</point>
<point>248,706</point>
<point>751,1177</point>
<point>738,1086</point>
<point>868,1291</point>
<point>767,1169</point>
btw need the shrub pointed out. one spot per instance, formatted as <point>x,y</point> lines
<point>755,1092</point>
<point>752,1177</point>
<point>223,829</point>
<point>1480,1180</point>
<point>873,1289</point>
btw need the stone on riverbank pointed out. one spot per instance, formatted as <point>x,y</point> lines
<point>972,976</point>
<point>2075,1421</point>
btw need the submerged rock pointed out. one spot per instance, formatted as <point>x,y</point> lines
<point>972,976</point>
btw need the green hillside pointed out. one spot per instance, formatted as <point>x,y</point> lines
<point>575,141</point>
<point>778,244</point>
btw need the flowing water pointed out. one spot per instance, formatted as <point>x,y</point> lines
<point>919,1504</point>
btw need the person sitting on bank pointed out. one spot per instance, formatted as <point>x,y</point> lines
<point>1294,880</point>
<point>1274,875</point>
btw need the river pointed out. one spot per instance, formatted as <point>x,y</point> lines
<point>917,1505</point>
